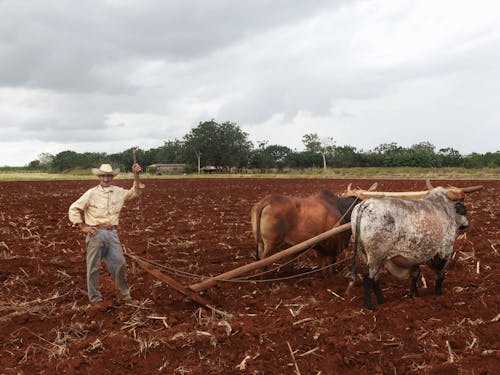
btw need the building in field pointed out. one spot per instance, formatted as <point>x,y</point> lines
<point>159,169</point>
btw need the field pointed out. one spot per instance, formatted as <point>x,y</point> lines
<point>281,325</point>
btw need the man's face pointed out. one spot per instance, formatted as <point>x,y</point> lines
<point>105,179</point>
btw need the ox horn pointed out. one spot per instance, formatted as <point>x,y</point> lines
<point>472,189</point>
<point>456,193</point>
<point>373,187</point>
<point>466,190</point>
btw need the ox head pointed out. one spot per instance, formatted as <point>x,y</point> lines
<point>457,196</point>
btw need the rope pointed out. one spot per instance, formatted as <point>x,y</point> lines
<point>172,270</point>
<point>243,280</point>
<point>247,279</point>
<point>180,273</point>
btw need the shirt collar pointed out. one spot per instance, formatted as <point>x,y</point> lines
<point>108,190</point>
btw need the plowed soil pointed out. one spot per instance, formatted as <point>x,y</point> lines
<point>285,325</point>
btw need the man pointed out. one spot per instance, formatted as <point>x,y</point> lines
<point>101,207</point>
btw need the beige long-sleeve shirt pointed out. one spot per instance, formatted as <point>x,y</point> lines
<point>101,206</point>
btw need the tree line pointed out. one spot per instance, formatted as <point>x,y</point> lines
<point>226,147</point>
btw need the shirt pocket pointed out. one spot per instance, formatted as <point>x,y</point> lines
<point>115,206</point>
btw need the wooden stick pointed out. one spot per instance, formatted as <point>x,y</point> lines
<point>169,281</point>
<point>212,281</point>
<point>297,371</point>
<point>139,193</point>
<point>136,174</point>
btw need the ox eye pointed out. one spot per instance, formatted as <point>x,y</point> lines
<point>460,208</point>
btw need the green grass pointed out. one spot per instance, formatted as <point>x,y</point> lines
<point>341,173</point>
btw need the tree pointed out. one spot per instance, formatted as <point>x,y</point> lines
<point>346,156</point>
<point>450,157</point>
<point>34,164</point>
<point>389,155</point>
<point>170,152</point>
<point>423,155</point>
<point>201,140</point>
<point>124,159</point>
<point>222,145</point>
<point>44,162</point>
<point>267,157</point>
<point>260,158</point>
<point>66,160</point>
<point>233,146</point>
<point>304,159</point>
<point>323,146</point>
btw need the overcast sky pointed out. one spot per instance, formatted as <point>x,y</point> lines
<point>108,75</point>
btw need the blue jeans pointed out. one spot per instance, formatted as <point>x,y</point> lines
<point>104,245</point>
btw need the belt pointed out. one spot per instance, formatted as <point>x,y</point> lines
<point>106,227</point>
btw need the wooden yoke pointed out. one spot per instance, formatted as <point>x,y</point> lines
<point>411,195</point>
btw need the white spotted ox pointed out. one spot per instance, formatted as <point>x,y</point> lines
<point>403,234</point>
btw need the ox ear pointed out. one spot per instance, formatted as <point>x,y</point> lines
<point>454,193</point>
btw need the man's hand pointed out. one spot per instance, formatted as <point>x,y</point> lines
<point>136,168</point>
<point>87,229</point>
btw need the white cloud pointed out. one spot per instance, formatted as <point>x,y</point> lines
<point>362,72</point>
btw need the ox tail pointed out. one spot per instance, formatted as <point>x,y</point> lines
<point>357,225</point>
<point>256,216</point>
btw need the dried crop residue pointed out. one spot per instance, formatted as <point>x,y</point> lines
<point>202,227</point>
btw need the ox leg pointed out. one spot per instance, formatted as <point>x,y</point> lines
<point>259,249</point>
<point>439,282</point>
<point>378,292</point>
<point>367,290</point>
<point>333,269</point>
<point>415,276</point>
<point>439,266</point>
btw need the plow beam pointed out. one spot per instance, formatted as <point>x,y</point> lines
<point>235,273</point>
<point>170,281</point>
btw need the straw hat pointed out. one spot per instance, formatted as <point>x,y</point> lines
<point>105,169</point>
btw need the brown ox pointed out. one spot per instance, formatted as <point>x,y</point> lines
<point>279,220</point>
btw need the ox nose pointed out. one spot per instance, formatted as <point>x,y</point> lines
<point>463,223</point>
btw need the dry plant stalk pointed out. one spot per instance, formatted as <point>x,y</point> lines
<point>303,321</point>
<point>451,354</point>
<point>54,351</point>
<point>145,345</point>
<point>297,370</point>
<point>335,294</point>
<point>95,346</point>
<point>309,352</point>
<point>243,364</point>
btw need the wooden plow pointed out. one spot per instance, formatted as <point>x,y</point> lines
<point>192,290</point>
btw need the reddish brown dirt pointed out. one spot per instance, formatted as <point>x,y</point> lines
<point>202,227</point>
